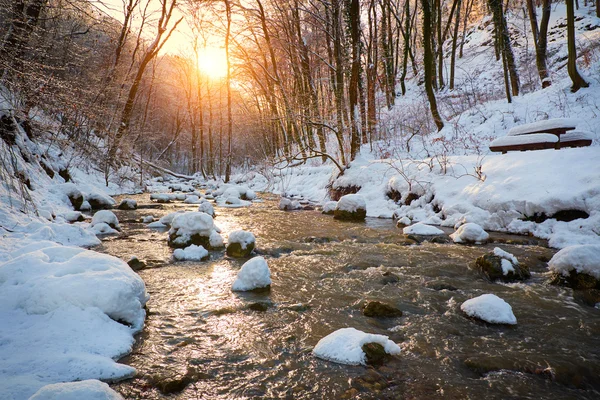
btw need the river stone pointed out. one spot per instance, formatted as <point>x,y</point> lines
<point>196,239</point>
<point>127,204</point>
<point>389,278</point>
<point>259,306</point>
<point>358,215</point>
<point>377,309</point>
<point>371,381</point>
<point>591,297</point>
<point>440,286</point>
<point>490,265</point>
<point>575,280</point>
<point>236,250</point>
<point>375,353</point>
<point>136,264</point>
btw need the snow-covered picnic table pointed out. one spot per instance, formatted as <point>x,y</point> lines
<point>548,134</point>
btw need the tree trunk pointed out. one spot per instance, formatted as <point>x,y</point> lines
<point>429,64</point>
<point>228,84</point>
<point>354,28</point>
<point>540,38</point>
<point>578,81</point>
<point>454,43</point>
<point>503,39</point>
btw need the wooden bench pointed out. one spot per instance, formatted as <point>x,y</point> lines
<point>548,134</point>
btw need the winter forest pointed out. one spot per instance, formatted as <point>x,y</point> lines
<point>311,199</point>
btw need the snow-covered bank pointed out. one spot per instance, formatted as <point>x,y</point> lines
<point>513,189</point>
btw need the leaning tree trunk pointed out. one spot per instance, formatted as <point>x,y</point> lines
<point>429,64</point>
<point>578,81</point>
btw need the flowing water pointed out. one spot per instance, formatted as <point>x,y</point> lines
<point>202,341</point>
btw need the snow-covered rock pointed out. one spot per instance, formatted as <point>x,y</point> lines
<point>215,239</point>
<point>90,389</point>
<point>193,199</point>
<point>329,207</point>
<point>191,253</point>
<point>71,192</point>
<point>102,228</point>
<point>98,200</point>
<point>66,234</point>
<point>255,274</point>
<point>489,308</point>
<point>73,216</point>
<point>191,228</point>
<point>470,233</point>
<point>107,217</point>
<point>501,265</point>
<point>351,207</point>
<point>240,244</point>
<point>85,206</point>
<point>422,229</point>
<point>167,219</point>
<point>148,219</point>
<point>289,205</point>
<point>207,208</point>
<point>161,197</point>
<point>583,259</point>
<point>344,346</point>
<point>127,204</point>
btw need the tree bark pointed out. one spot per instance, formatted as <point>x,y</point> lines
<point>354,28</point>
<point>540,38</point>
<point>578,81</point>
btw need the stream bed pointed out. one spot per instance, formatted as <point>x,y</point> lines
<point>203,341</point>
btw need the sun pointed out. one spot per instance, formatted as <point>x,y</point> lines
<point>213,62</point>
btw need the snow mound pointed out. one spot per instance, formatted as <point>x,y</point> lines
<point>255,274</point>
<point>107,217</point>
<point>62,305</point>
<point>580,258</point>
<point>329,207</point>
<point>102,228</point>
<point>193,199</point>
<point>89,390</point>
<point>73,216</point>
<point>167,219</point>
<point>422,229</point>
<point>288,205</point>
<point>470,233</point>
<point>99,200</point>
<point>66,234</point>
<point>190,253</point>
<point>207,208</point>
<point>148,219</point>
<point>344,346</point>
<point>127,204</point>
<point>351,203</point>
<point>489,308</point>
<point>244,238</point>
<point>215,240</point>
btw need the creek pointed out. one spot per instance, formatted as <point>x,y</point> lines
<point>203,341</point>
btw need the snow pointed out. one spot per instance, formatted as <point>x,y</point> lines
<point>193,199</point>
<point>90,389</point>
<point>107,217</point>
<point>102,228</point>
<point>66,234</point>
<point>540,126</point>
<point>525,139</point>
<point>288,205</point>
<point>207,208</point>
<point>61,304</point>
<point>85,206</point>
<point>148,219</point>
<point>167,219</point>
<point>422,229</point>
<point>99,197</point>
<point>489,308</point>
<point>344,346</point>
<point>470,232</point>
<point>72,216</point>
<point>329,206</point>
<point>244,238</point>
<point>255,274</point>
<point>215,240</point>
<point>576,135</point>
<point>351,203</point>
<point>190,253</point>
<point>580,258</point>
<point>157,225</point>
<point>129,203</point>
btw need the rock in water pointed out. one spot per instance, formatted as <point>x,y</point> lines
<point>375,354</point>
<point>489,308</point>
<point>500,265</point>
<point>254,275</point>
<point>377,309</point>
<point>127,204</point>
<point>136,264</point>
<point>240,244</point>
<point>351,207</point>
